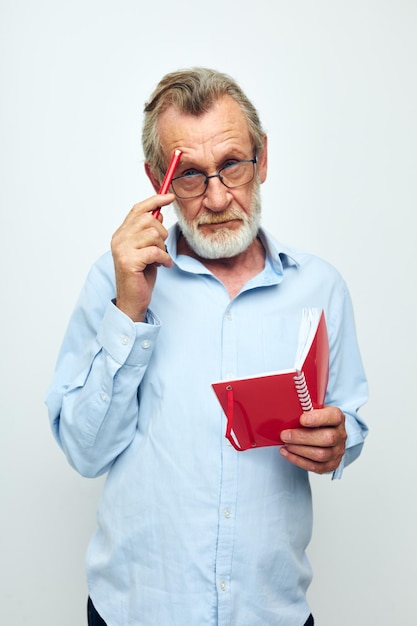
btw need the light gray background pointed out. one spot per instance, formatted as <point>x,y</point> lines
<point>335,84</point>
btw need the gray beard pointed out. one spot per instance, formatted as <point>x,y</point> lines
<point>224,243</point>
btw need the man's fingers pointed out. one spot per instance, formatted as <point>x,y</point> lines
<point>328,416</point>
<point>326,437</point>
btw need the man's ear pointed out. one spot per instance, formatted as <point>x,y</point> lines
<point>156,183</point>
<point>263,161</point>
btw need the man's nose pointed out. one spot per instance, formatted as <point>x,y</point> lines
<point>217,196</point>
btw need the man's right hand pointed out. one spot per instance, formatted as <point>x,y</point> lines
<point>138,248</point>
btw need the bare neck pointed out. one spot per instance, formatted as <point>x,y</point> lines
<point>233,272</point>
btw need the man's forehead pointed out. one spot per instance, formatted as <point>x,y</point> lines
<point>224,123</point>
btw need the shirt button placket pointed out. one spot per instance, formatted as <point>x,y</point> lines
<point>228,482</point>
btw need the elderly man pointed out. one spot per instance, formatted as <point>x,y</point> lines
<point>192,532</point>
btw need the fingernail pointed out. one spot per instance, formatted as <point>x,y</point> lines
<point>286,435</point>
<point>308,419</point>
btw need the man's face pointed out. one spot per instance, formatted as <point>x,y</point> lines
<point>222,222</point>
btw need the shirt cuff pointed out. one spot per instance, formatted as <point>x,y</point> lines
<point>128,342</point>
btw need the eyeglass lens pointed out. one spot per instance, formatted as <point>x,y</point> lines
<point>234,175</point>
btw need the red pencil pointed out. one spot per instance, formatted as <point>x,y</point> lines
<point>168,177</point>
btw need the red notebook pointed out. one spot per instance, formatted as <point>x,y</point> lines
<point>258,408</point>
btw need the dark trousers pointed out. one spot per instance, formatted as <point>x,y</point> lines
<point>94,618</point>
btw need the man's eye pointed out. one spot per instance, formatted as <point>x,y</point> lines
<point>230,164</point>
<point>191,173</point>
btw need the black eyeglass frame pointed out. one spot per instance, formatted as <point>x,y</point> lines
<point>218,175</point>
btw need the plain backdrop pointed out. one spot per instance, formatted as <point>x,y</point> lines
<point>335,85</point>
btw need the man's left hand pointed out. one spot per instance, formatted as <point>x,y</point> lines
<point>320,444</point>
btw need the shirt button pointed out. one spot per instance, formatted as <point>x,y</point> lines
<point>124,340</point>
<point>104,396</point>
<point>227,513</point>
<point>229,316</point>
<point>145,344</point>
<point>223,585</point>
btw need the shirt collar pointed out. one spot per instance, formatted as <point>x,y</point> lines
<point>278,255</point>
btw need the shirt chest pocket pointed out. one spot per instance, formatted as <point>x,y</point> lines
<point>279,341</point>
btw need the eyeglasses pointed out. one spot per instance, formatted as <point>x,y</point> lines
<point>234,174</point>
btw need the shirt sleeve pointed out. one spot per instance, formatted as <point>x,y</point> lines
<point>347,388</point>
<point>93,399</point>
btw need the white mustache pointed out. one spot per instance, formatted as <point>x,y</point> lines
<point>218,218</point>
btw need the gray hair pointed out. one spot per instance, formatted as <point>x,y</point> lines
<point>192,91</point>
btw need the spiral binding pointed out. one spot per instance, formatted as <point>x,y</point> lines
<point>302,391</point>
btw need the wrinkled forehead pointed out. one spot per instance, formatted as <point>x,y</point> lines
<point>223,127</point>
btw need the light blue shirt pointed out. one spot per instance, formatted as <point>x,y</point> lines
<point>190,531</point>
